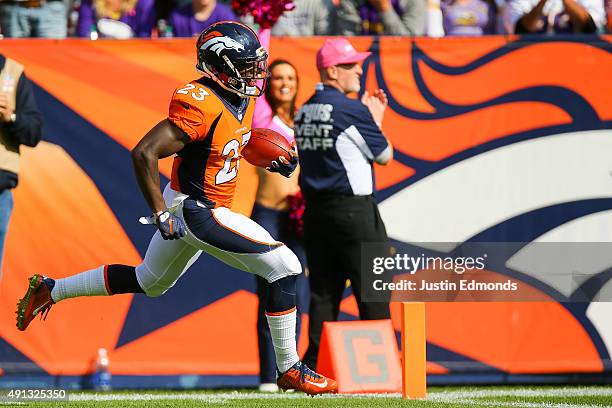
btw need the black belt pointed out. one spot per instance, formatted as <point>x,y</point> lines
<point>329,197</point>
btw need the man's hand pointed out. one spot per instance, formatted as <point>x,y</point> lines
<point>170,226</point>
<point>5,111</point>
<point>376,103</point>
<point>579,16</point>
<point>531,21</point>
<point>284,166</point>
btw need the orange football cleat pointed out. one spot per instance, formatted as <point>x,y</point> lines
<point>37,300</point>
<point>301,378</point>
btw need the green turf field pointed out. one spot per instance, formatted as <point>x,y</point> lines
<point>443,397</point>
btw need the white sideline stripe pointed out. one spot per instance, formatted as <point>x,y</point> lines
<point>471,397</point>
<point>208,397</point>
<point>211,397</point>
<point>525,392</point>
<point>518,404</point>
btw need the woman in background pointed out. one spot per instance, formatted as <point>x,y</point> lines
<point>278,204</point>
<point>120,19</point>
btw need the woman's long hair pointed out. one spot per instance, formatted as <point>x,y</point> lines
<point>268,94</point>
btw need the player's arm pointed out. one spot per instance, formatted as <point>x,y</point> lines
<point>162,141</point>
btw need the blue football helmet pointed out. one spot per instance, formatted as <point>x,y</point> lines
<point>230,54</point>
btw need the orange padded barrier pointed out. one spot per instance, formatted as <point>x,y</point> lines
<point>361,355</point>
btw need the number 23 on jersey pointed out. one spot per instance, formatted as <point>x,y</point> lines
<point>231,153</point>
<point>198,96</point>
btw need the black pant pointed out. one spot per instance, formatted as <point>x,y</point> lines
<point>334,229</point>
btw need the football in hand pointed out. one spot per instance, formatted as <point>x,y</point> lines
<point>265,146</point>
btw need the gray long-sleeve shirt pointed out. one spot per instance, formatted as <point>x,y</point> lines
<point>309,17</point>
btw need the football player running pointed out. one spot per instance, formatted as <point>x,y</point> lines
<point>208,125</point>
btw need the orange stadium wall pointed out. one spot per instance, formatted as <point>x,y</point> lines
<point>503,136</point>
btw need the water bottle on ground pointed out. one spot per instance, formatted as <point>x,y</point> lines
<point>101,378</point>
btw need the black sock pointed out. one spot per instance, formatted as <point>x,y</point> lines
<point>281,294</point>
<point>122,279</point>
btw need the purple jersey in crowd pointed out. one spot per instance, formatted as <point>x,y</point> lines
<point>142,19</point>
<point>472,17</point>
<point>371,23</point>
<point>184,23</point>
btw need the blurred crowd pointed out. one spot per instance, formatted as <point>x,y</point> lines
<point>122,19</point>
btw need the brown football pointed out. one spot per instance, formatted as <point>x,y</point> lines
<point>265,145</point>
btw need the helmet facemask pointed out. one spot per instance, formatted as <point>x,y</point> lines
<point>246,77</point>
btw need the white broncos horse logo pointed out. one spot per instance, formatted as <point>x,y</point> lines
<point>218,44</point>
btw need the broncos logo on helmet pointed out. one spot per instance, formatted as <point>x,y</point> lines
<point>230,54</point>
<point>217,42</point>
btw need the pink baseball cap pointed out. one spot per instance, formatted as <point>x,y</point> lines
<point>338,51</point>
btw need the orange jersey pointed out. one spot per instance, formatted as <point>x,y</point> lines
<point>207,167</point>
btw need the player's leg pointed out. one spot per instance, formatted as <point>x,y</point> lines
<point>276,223</point>
<point>164,263</point>
<point>302,288</point>
<point>242,243</point>
<point>270,220</point>
<point>267,358</point>
<point>43,292</point>
<point>104,280</point>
